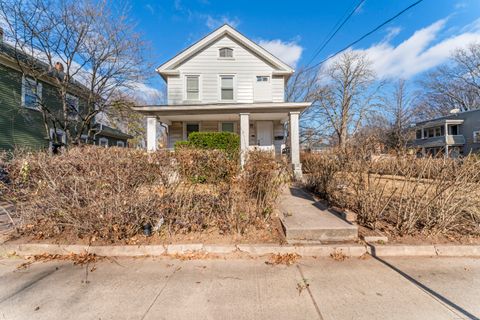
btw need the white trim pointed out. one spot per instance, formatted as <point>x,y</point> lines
<point>120,143</point>
<point>215,35</point>
<point>103,139</point>
<point>184,80</point>
<point>234,85</point>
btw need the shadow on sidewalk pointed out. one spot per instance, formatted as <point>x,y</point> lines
<point>424,287</point>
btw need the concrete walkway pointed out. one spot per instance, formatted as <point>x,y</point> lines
<point>147,288</point>
<point>305,219</point>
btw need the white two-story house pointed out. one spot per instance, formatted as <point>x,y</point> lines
<point>226,82</point>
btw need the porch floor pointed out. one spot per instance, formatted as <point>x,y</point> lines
<point>307,220</point>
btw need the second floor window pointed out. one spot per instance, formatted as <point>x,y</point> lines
<point>193,88</point>
<point>226,53</point>
<point>72,104</point>
<point>31,93</point>
<point>226,90</point>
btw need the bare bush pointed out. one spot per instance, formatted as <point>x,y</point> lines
<point>112,193</point>
<point>403,195</point>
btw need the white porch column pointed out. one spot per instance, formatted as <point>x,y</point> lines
<point>295,144</point>
<point>151,134</point>
<point>446,139</point>
<point>244,136</point>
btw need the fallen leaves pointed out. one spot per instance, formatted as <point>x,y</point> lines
<point>302,285</point>
<point>287,259</point>
<point>338,255</point>
<point>78,259</point>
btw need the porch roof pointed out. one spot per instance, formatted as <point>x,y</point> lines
<point>223,111</point>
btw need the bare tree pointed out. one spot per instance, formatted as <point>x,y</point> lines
<point>88,48</point>
<point>348,90</point>
<point>454,85</point>
<point>398,108</point>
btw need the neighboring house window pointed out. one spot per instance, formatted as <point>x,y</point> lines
<point>31,93</point>
<point>72,104</point>
<point>103,142</point>
<point>192,127</point>
<point>227,127</point>
<point>476,136</point>
<point>61,136</point>
<point>120,144</point>
<point>454,130</point>
<point>226,89</point>
<point>226,53</point>
<point>419,134</point>
<point>193,87</point>
<point>262,78</point>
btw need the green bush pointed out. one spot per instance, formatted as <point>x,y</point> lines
<point>227,141</point>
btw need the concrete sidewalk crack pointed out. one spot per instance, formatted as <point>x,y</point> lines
<point>159,293</point>
<point>311,295</point>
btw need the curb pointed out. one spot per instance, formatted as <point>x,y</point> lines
<point>354,250</point>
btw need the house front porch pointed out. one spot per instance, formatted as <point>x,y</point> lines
<point>264,126</point>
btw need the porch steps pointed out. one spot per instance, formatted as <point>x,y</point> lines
<point>306,220</point>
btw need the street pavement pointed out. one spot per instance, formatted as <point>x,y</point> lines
<point>164,288</point>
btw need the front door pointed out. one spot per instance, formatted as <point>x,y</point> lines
<point>265,133</point>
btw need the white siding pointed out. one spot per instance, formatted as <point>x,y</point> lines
<point>245,66</point>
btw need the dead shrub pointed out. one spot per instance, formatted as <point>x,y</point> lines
<point>405,195</point>
<point>112,193</point>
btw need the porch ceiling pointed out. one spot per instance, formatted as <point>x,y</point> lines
<point>222,111</point>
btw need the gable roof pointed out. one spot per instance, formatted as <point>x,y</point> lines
<point>224,30</point>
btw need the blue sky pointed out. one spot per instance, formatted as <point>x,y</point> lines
<point>414,43</point>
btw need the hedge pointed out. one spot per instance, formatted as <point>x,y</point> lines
<point>227,141</point>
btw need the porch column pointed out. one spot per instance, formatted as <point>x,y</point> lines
<point>244,136</point>
<point>295,144</point>
<point>446,139</point>
<point>151,134</point>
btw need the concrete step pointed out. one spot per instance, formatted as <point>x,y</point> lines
<point>306,220</point>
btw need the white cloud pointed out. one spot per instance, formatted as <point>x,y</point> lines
<point>288,52</point>
<point>145,94</point>
<point>418,53</point>
<point>215,22</point>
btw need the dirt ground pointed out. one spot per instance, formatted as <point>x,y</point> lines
<point>272,234</point>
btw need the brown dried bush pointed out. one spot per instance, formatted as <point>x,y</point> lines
<point>111,193</point>
<point>403,200</point>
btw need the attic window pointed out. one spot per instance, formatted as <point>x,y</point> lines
<point>226,53</point>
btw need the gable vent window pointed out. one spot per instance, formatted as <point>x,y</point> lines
<point>227,88</point>
<point>226,53</point>
<point>193,88</point>
<point>262,78</point>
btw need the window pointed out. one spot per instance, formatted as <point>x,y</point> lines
<point>226,53</point>
<point>120,144</point>
<point>419,134</point>
<point>192,127</point>
<point>72,104</point>
<point>476,136</point>
<point>430,133</point>
<point>103,142</point>
<point>31,93</point>
<point>262,78</point>
<point>438,132</point>
<point>193,87</point>
<point>60,136</point>
<point>227,127</point>
<point>453,130</point>
<point>226,88</point>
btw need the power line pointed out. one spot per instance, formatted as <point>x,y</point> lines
<point>365,35</point>
<point>322,46</point>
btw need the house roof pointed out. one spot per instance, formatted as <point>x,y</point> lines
<point>107,131</point>
<point>169,66</point>
<point>451,118</point>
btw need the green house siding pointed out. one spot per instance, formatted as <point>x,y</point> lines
<point>19,126</point>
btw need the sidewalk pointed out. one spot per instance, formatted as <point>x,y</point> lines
<point>161,288</point>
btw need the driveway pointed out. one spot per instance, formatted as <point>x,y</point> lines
<point>162,288</point>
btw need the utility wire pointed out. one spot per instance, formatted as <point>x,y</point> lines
<point>322,46</point>
<point>365,35</point>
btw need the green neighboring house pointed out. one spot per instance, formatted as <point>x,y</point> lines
<point>21,123</point>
